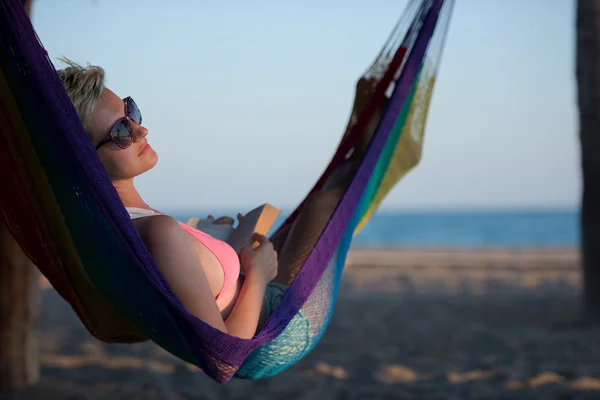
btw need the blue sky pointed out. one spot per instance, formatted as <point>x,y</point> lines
<point>246,101</point>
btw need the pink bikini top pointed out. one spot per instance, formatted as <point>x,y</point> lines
<point>224,253</point>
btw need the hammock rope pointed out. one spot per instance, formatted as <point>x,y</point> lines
<point>59,204</point>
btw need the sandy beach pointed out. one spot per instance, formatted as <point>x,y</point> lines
<point>407,325</point>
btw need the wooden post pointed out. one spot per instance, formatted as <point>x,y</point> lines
<point>19,311</point>
<point>19,315</point>
<point>588,90</point>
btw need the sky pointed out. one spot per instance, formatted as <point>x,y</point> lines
<point>245,102</point>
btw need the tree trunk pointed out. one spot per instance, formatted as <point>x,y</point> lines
<point>19,315</point>
<point>19,311</point>
<point>588,87</point>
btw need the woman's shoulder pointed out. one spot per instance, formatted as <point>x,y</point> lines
<point>160,225</point>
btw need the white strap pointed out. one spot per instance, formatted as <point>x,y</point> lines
<point>135,212</point>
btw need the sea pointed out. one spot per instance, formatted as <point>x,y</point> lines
<point>466,230</point>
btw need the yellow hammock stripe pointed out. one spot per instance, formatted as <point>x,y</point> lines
<point>409,145</point>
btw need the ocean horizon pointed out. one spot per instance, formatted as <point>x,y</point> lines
<point>463,229</point>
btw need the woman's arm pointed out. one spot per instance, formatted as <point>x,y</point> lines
<point>176,259</point>
<point>245,315</point>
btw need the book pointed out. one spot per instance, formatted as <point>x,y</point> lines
<point>258,220</point>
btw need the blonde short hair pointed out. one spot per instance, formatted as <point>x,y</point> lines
<point>84,85</point>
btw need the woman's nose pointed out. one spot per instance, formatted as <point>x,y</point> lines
<point>140,131</point>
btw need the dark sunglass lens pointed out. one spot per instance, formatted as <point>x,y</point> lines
<point>121,134</point>
<point>133,112</point>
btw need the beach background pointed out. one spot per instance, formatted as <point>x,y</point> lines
<point>433,305</point>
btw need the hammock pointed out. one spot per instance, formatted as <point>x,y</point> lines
<point>60,206</point>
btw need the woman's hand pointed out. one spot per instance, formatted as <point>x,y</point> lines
<point>260,263</point>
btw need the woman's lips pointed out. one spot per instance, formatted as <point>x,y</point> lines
<point>144,149</point>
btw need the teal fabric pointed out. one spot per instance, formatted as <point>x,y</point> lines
<point>283,351</point>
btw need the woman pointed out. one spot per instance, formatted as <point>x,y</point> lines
<point>203,272</point>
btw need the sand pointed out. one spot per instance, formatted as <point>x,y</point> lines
<point>408,325</point>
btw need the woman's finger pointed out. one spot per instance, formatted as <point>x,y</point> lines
<point>259,238</point>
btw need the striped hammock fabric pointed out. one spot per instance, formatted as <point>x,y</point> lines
<point>61,207</point>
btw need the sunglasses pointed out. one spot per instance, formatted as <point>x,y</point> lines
<point>121,133</point>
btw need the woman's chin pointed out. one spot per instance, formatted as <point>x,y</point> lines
<point>150,156</point>
<point>148,161</point>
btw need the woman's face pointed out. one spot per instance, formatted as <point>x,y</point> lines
<point>120,163</point>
